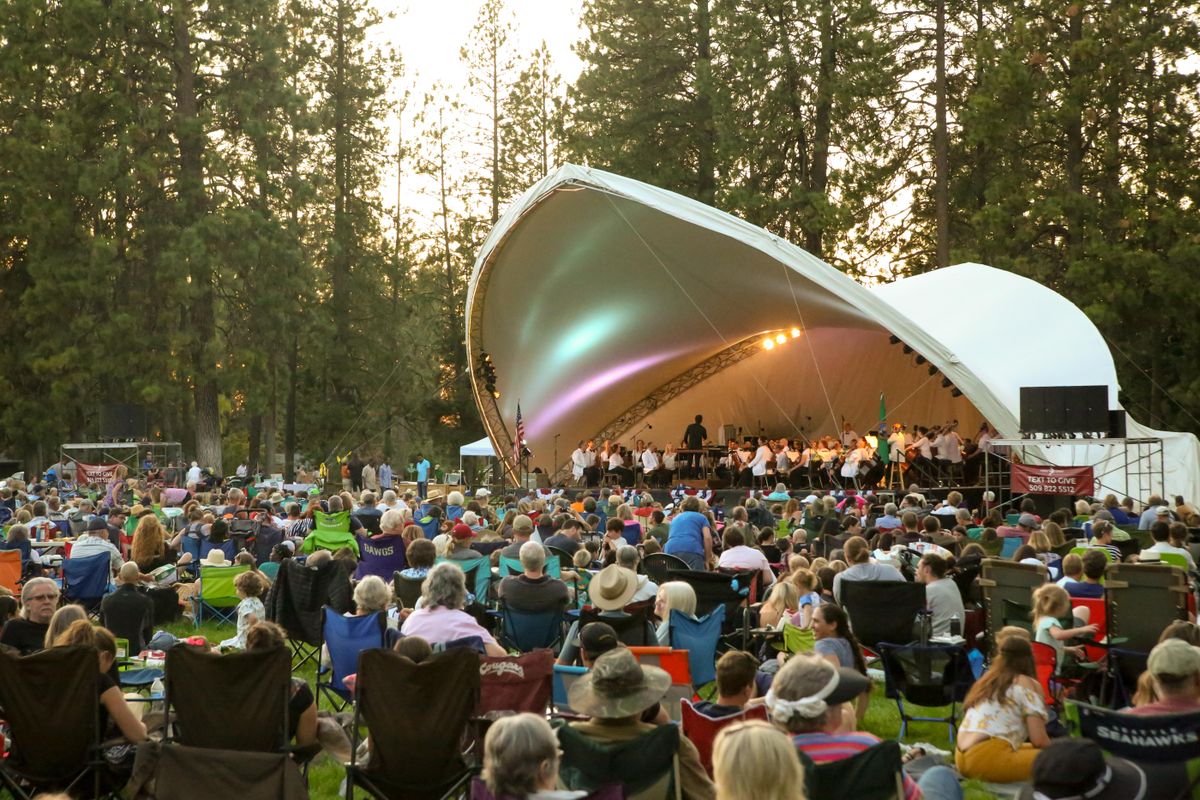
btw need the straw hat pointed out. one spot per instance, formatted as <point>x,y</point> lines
<point>215,558</point>
<point>617,686</point>
<point>613,588</point>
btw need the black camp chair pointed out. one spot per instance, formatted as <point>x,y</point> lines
<point>184,773</point>
<point>882,611</point>
<point>1165,746</point>
<point>1142,600</point>
<point>646,766</point>
<point>407,590</point>
<point>873,774</point>
<point>52,706</point>
<point>931,676</point>
<point>658,565</point>
<point>296,601</point>
<point>237,701</point>
<point>413,761</point>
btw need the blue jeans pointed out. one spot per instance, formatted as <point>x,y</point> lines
<point>940,783</point>
<point>422,489</point>
<point>694,560</point>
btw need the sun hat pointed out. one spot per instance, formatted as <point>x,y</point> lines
<point>1174,657</point>
<point>215,558</point>
<point>461,531</point>
<point>613,588</point>
<point>1075,769</point>
<point>436,494</point>
<point>617,686</point>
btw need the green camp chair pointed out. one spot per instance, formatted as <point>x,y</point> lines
<point>481,568</point>
<point>1007,581</point>
<point>796,639</point>
<point>1174,559</point>
<point>1079,551</point>
<point>216,594</point>
<point>1142,600</point>
<point>512,566</point>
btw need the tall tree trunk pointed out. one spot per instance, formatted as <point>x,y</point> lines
<point>256,425</point>
<point>706,157</point>
<point>1073,125</point>
<point>190,136</point>
<point>814,228</point>
<point>289,429</point>
<point>340,258</point>
<point>495,125</point>
<point>268,463</point>
<point>941,141</point>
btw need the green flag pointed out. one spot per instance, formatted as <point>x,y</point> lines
<point>882,448</point>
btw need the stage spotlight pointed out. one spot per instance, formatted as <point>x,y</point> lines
<point>894,339</point>
<point>907,350</point>
<point>920,359</point>
<point>795,333</point>
<point>956,393</point>
<point>495,394</point>
<point>768,343</point>
<point>780,339</point>
<point>946,383</point>
<point>932,370</point>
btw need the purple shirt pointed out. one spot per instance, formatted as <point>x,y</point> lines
<point>441,624</point>
<point>382,555</point>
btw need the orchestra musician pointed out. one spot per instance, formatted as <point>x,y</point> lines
<point>618,465</point>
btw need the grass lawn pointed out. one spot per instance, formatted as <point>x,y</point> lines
<point>883,719</point>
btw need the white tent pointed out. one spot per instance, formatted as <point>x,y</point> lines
<point>612,308</point>
<point>481,448</point>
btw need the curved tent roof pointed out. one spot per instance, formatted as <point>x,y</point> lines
<point>614,309</point>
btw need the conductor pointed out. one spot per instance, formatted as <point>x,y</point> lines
<point>693,439</point>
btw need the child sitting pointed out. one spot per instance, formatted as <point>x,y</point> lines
<point>779,606</point>
<point>1072,567</point>
<point>1050,604</point>
<point>807,586</point>
<point>250,587</point>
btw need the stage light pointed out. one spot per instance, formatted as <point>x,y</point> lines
<point>768,343</point>
<point>920,359</point>
<point>956,393</point>
<point>907,350</point>
<point>780,339</point>
<point>795,333</point>
<point>932,370</point>
<point>495,394</point>
<point>894,339</point>
<point>946,383</point>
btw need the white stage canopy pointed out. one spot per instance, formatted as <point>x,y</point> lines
<point>614,309</point>
<point>481,448</point>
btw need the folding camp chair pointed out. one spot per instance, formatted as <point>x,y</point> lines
<point>647,767</point>
<point>1010,545</point>
<point>882,611</point>
<point>407,590</point>
<point>52,706</point>
<point>633,629</point>
<point>478,573</point>
<point>873,774</point>
<point>216,594</point>
<point>658,565</point>
<point>1142,600</point>
<point>512,566</point>
<point>699,636</point>
<point>1007,580</point>
<point>931,676</point>
<point>512,684</point>
<point>675,663</point>
<point>716,589</point>
<point>1082,551</point>
<point>184,773</point>
<point>237,701</point>
<point>526,631</point>
<point>564,677</point>
<point>297,601</point>
<point>85,581</point>
<point>797,639</point>
<point>702,730</point>
<point>1165,746</point>
<point>611,791</point>
<point>345,638</point>
<point>10,570</point>
<point>419,760</point>
<point>227,547</point>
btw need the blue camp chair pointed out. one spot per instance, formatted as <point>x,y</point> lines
<point>699,636</point>
<point>227,547</point>
<point>479,575</point>
<point>345,638</point>
<point>527,630</point>
<point>512,566</point>
<point>429,526</point>
<point>190,544</point>
<point>1010,545</point>
<point>86,581</point>
<point>564,676</point>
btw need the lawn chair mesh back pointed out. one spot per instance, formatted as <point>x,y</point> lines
<point>527,631</point>
<point>414,760</point>
<point>564,678</point>
<point>185,773</point>
<point>646,766</point>
<point>873,774</point>
<point>217,598</point>
<point>85,580</point>
<point>1142,600</point>
<point>345,638</point>
<point>632,630</point>
<point>882,611</point>
<point>512,684</point>
<point>702,731</point>
<point>930,676</point>
<point>1165,746</point>
<point>407,590</point>
<point>51,705</point>
<point>1005,580</point>
<point>699,636</point>
<point>659,565</point>
<point>236,701</point>
<point>298,597</point>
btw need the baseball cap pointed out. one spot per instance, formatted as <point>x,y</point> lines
<point>1163,511</point>
<point>461,531</point>
<point>1027,521</point>
<point>597,638</point>
<point>1174,657</point>
<point>1077,768</point>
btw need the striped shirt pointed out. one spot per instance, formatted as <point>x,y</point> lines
<point>826,747</point>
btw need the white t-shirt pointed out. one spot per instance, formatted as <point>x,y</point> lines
<point>744,557</point>
<point>649,460</point>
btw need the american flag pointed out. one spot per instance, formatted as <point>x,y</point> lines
<point>519,441</point>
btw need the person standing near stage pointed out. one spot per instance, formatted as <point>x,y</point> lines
<point>694,438</point>
<point>422,465</point>
<point>690,535</point>
<point>385,474</point>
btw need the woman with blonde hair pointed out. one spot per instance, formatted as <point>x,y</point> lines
<point>756,761</point>
<point>781,603</point>
<point>1054,533</point>
<point>149,548</point>
<point>63,619</point>
<point>672,596</point>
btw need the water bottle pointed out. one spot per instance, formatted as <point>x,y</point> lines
<point>157,688</point>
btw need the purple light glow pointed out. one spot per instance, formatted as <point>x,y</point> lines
<point>548,417</point>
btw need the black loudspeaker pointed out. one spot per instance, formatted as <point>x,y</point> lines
<point>1063,409</point>
<point>1116,424</point>
<point>122,421</point>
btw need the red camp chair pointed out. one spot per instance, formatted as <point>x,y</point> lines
<point>10,570</point>
<point>512,684</point>
<point>702,731</point>
<point>1098,616</point>
<point>676,664</point>
<point>1045,659</point>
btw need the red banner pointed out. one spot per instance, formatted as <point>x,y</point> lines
<point>94,473</point>
<point>1078,481</point>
